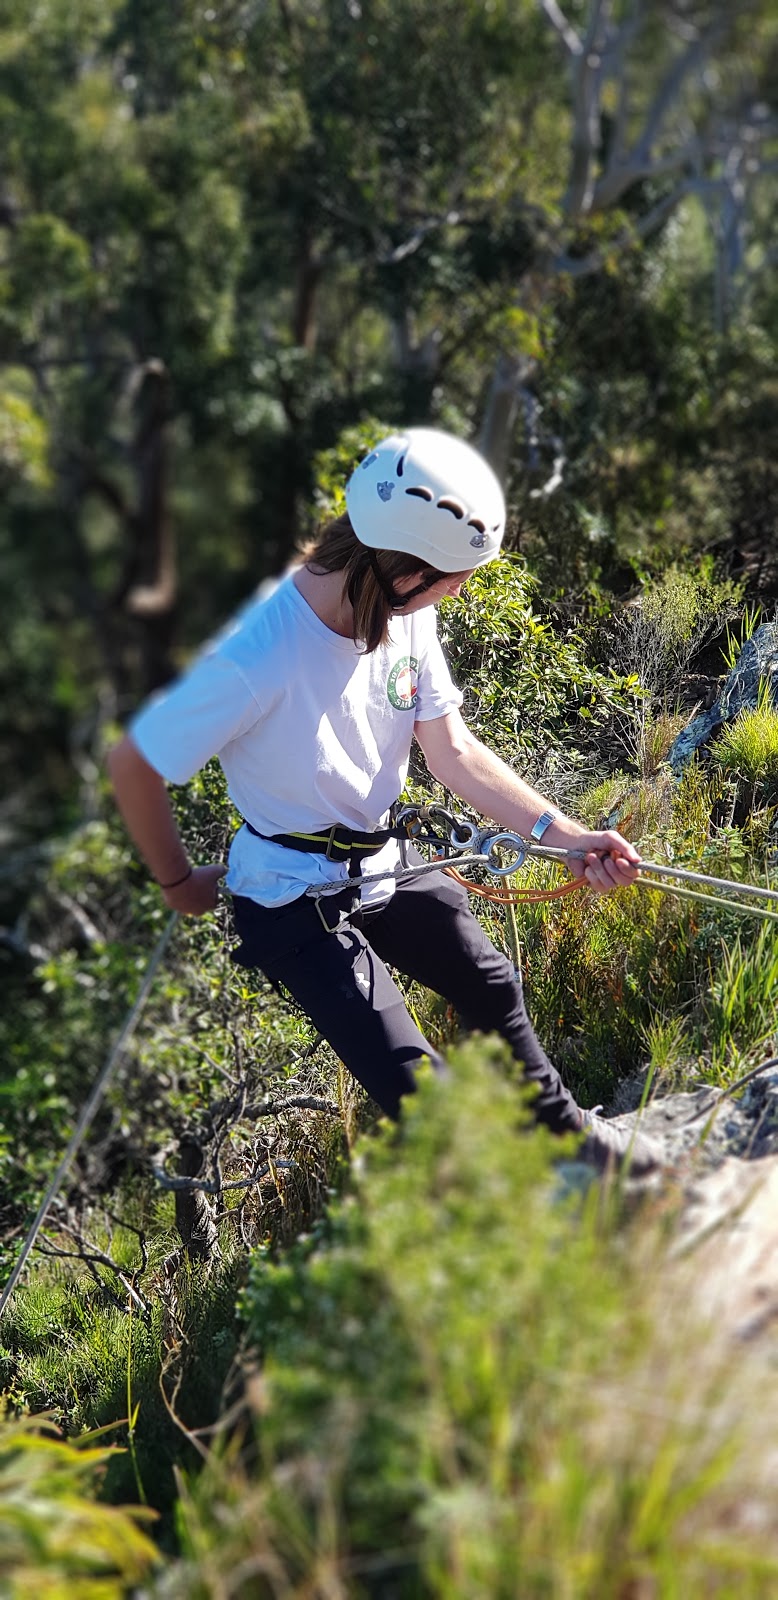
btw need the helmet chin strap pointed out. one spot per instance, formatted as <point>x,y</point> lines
<point>395,600</point>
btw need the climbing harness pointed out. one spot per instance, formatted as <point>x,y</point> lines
<point>340,841</point>
<point>461,845</point>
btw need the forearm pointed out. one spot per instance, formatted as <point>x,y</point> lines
<point>142,798</point>
<point>485,782</point>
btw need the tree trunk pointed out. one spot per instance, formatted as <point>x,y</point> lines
<point>153,597</point>
<point>502,405</point>
<point>194,1213</point>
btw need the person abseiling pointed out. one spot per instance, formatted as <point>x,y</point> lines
<point>311,702</point>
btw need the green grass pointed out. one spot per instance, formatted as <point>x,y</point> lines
<point>741,1008</point>
<point>56,1539</point>
<point>748,747</point>
<point>469,1387</point>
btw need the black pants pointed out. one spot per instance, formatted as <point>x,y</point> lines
<point>427,931</point>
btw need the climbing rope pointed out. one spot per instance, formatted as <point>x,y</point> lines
<point>470,845</point>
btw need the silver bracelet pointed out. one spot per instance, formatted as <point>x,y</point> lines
<point>541,825</point>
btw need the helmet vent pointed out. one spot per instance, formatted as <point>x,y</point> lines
<point>475,522</point>
<point>453,506</point>
<point>421,494</point>
<point>399,467</point>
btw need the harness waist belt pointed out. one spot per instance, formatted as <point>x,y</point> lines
<point>337,843</point>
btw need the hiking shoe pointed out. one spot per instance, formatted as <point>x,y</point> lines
<point>609,1146</point>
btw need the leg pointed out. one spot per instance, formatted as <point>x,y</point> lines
<point>428,931</point>
<point>344,988</point>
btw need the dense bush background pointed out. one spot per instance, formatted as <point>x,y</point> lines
<point>239,242</point>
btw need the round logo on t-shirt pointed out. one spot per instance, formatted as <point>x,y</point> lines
<point>402,683</point>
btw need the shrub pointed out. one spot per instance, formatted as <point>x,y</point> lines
<point>656,639</point>
<point>56,1540</point>
<point>466,1393</point>
<point>748,747</point>
<point>527,685</point>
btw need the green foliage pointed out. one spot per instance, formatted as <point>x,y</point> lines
<point>525,682</point>
<point>741,1007</point>
<point>462,1393</point>
<point>683,606</point>
<point>596,971</point>
<point>299,219</point>
<point>77,1346</point>
<point>92,926</point>
<point>608,976</point>
<point>304,218</point>
<point>748,746</point>
<point>333,467</point>
<point>23,442</point>
<point>734,643</point>
<point>669,1050</point>
<point>677,614</point>
<point>655,639</point>
<point>56,1539</point>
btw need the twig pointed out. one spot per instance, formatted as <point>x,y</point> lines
<point>731,1089</point>
<point>215,1185</point>
<point>92,1258</point>
<point>302,1102</point>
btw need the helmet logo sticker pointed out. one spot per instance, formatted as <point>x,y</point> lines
<point>385,490</point>
<point>402,683</point>
<point>478,541</point>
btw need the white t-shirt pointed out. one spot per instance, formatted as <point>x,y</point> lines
<point>308,729</point>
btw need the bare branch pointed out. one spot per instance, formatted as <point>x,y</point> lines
<point>560,24</point>
<point>616,52</point>
<point>575,267</point>
<point>409,246</point>
<point>620,176</point>
<point>302,1102</point>
<point>90,933</point>
<point>92,1257</point>
<point>588,76</point>
<point>216,1185</point>
<point>669,89</point>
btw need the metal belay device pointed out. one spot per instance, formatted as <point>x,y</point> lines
<point>461,844</point>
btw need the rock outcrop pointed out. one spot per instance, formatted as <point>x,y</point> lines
<point>721,1183</point>
<point>756,664</point>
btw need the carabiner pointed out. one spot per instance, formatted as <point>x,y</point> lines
<point>490,841</point>
<point>472,835</point>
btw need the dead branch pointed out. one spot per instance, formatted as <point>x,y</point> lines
<point>567,33</point>
<point>182,1185</point>
<point>93,1258</point>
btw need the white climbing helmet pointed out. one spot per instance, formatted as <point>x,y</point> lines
<point>430,495</point>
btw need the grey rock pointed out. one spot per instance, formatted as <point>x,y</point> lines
<point>757,663</point>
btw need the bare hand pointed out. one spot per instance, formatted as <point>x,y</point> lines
<point>609,861</point>
<point>199,893</point>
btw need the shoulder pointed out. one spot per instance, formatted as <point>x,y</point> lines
<point>260,628</point>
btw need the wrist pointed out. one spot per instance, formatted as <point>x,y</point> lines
<point>541,826</point>
<point>175,883</point>
<point>562,832</point>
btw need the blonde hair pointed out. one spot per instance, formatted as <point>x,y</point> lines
<point>369,577</point>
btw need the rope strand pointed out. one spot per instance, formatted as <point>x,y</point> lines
<point>480,842</point>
